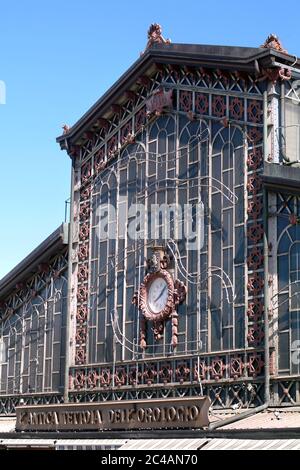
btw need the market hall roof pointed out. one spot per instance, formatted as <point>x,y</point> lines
<point>160,51</point>
<point>31,263</point>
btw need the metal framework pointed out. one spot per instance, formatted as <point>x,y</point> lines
<point>199,151</point>
<point>210,147</point>
<point>32,334</point>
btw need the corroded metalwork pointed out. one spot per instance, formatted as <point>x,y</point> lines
<point>218,105</point>
<point>255,284</point>
<point>254,159</point>
<point>273,42</point>
<point>255,258</point>
<point>254,208</point>
<point>31,319</point>
<point>255,232</point>
<point>236,108</point>
<point>155,36</point>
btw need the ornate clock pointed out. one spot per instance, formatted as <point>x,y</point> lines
<point>157,299</point>
<point>158,294</point>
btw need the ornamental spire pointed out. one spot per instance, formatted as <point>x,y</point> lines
<point>273,42</point>
<point>155,35</point>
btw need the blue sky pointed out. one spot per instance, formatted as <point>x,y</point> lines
<point>58,57</point>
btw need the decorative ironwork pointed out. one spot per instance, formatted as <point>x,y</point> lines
<point>83,251</point>
<point>286,391</point>
<point>201,370</point>
<point>82,293</point>
<point>140,120</point>
<point>221,395</point>
<point>217,369</point>
<point>219,106</point>
<point>255,159</point>
<point>176,293</point>
<point>126,131</point>
<point>86,172</point>
<point>80,336</point>
<point>255,310</point>
<point>254,184</point>
<point>144,81</point>
<point>8,403</point>
<point>84,210</point>
<point>254,208</point>
<point>99,161</point>
<point>120,376</point>
<point>255,232</point>
<point>178,371</point>
<point>155,36</point>
<point>92,379</point>
<point>182,372</point>
<point>285,74</point>
<point>185,101</point>
<point>79,379</point>
<point>85,195</point>
<point>105,377</point>
<point>276,73</point>
<point>116,110</point>
<point>236,367</point>
<point>160,101</point>
<point>255,335</point>
<point>84,231</point>
<point>112,134</point>
<point>80,355</point>
<point>112,146</point>
<point>150,373</point>
<point>134,376</point>
<point>166,373</point>
<point>153,263</point>
<point>65,128</point>
<point>201,103</point>
<point>255,135</point>
<point>255,284</point>
<point>83,272</point>
<point>255,258</point>
<point>255,364</point>
<point>179,375</point>
<point>255,112</point>
<point>27,323</point>
<point>236,108</point>
<point>81,314</point>
<point>272,74</point>
<point>273,42</point>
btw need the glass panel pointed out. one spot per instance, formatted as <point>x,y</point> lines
<point>284,352</point>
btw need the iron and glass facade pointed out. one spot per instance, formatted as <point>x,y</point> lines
<point>229,118</point>
<point>33,328</point>
<point>207,148</point>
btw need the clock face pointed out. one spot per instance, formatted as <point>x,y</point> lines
<point>157,295</point>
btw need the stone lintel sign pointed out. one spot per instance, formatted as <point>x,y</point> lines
<point>142,414</point>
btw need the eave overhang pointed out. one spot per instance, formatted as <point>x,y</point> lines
<point>283,178</point>
<point>30,265</point>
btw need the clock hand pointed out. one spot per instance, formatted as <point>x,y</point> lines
<point>160,294</point>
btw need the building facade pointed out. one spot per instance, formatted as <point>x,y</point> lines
<point>184,240</point>
<point>33,326</point>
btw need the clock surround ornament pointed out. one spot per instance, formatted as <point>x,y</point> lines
<point>157,298</point>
